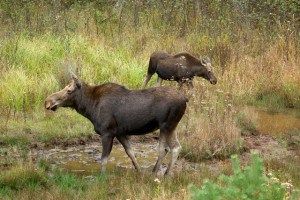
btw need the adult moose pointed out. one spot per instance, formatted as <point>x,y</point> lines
<point>117,112</point>
<point>181,67</point>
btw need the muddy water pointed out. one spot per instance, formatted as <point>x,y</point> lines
<point>278,123</point>
<point>86,159</point>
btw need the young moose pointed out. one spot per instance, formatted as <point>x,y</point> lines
<point>116,111</point>
<point>181,67</point>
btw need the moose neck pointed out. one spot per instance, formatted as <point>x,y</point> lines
<point>83,102</point>
<point>199,71</point>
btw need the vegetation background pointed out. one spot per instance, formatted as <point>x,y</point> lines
<point>254,47</point>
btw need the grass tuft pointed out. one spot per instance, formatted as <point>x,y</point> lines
<point>23,176</point>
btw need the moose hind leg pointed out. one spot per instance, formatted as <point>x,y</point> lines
<point>175,148</point>
<point>126,144</point>
<point>162,151</point>
<point>169,126</point>
<point>147,79</point>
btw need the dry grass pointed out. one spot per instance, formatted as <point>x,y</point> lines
<point>209,127</point>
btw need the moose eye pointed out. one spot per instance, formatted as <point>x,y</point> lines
<point>69,91</point>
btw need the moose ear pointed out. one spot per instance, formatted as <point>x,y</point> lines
<point>208,60</point>
<point>76,81</point>
<point>203,62</point>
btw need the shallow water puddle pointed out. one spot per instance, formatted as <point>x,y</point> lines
<point>277,123</point>
<point>86,159</point>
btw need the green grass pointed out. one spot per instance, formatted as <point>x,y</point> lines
<point>22,176</point>
<point>117,184</point>
<point>18,140</point>
<point>38,67</point>
<point>43,61</point>
<point>31,181</point>
<point>246,123</point>
<point>44,126</point>
<point>274,102</point>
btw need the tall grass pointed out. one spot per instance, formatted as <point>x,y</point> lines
<point>20,177</point>
<point>209,128</point>
<point>42,61</point>
<point>35,66</point>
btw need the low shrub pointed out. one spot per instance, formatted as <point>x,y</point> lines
<point>248,183</point>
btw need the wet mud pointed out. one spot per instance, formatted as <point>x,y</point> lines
<point>86,158</point>
<point>82,155</point>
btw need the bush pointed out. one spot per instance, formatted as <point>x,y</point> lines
<point>247,183</point>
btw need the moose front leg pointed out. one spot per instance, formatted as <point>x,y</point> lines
<point>107,143</point>
<point>190,85</point>
<point>180,84</point>
<point>159,81</point>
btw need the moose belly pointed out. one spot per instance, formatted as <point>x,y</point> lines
<point>140,128</point>
<point>167,76</point>
<point>174,76</point>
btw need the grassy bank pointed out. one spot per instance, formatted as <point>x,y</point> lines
<point>31,182</point>
<point>28,181</point>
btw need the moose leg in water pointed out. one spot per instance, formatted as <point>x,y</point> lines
<point>126,144</point>
<point>168,139</point>
<point>175,148</point>
<point>107,143</point>
<point>162,152</point>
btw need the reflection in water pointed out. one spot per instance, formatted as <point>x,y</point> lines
<point>86,159</point>
<point>277,123</point>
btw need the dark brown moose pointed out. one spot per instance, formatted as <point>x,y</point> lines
<point>181,67</point>
<point>117,112</point>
